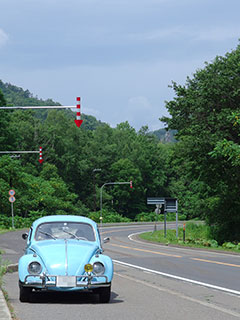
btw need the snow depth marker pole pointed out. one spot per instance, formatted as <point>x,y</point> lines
<point>78,120</point>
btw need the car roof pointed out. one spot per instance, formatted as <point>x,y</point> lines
<point>65,218</point>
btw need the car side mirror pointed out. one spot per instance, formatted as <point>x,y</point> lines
<point>106,240</point>
<point>25,236</point>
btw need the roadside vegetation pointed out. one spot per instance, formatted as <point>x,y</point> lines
<point>196,236</point>
<point>3,268</point>
<point>108,217</point>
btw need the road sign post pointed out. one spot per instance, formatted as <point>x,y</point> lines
<point>12,199</point>
<point>170,205</point>
<point>157,211</point>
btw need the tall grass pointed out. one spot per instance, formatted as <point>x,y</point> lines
<point>196,235</point>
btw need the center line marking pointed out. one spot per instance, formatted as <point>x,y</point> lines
<point>218,262</point>
<point>144,250</point>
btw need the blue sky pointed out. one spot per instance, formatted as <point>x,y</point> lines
<point>119,56</point>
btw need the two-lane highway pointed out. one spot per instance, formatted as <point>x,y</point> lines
<point>151,281</point>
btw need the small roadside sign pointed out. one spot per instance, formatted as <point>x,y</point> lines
<point>171,205</point>
<point>155,200</point>
<point>12,199</point>
<point>11,192</point>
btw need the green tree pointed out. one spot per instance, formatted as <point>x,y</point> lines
<point>200,113</point>
<point>127,201</point>
<point>46,192</point>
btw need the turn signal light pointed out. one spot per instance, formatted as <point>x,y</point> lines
<point>88,267</point>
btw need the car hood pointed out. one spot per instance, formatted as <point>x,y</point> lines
<point>62,257</point>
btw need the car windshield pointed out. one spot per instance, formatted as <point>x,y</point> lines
<point>65,230</point>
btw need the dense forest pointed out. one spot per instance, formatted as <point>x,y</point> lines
<point>201,168</point>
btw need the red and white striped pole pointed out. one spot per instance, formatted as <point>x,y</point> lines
<point>40,155</point>
<point>78,120</point>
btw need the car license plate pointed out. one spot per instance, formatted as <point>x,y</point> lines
<point>66,281</point>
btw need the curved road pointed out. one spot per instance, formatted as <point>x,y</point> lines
<point>211,268</point>
<point>150,282</point>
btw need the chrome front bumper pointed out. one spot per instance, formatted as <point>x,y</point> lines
<point>44,281</point>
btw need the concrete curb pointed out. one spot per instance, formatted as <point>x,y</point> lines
<point>4,311</point>
<point>12,267</point>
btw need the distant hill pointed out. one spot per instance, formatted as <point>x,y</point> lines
<point>165,136</point>
<point>17,96</point>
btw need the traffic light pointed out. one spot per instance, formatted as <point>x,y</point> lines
<point>131,184</point>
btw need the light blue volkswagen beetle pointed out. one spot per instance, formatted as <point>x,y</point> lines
<point>64,253</point>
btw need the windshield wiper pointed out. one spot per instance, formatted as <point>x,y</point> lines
<point>47,234</point>
<point>75,237</point>
<point>70,233</point>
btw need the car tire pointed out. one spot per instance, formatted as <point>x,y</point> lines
<point>24,293</point>
<point>104,294</point>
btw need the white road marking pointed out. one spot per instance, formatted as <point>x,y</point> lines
<point>235,292</point>
<point>205,304</point>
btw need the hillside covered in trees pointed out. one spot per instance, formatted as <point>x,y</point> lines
<point>201,169</point>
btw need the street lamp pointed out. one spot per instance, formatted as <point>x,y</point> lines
<point>94,186</point>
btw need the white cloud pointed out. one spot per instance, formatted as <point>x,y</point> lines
<point>212,33</point>
<point>3,38</point>
<point>139,102</point>
<point>218,33</point>
<point>158,34</point>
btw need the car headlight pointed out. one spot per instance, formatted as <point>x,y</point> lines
<point>98,268</point>
<point>34,267</point>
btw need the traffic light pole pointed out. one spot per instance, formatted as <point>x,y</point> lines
<point>76,108</point>
<point>19,151</point>
<point>24,152</point>
<point>101,189</point>
<point>38,107</point>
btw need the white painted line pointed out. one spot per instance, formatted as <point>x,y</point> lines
<point>179,278</point>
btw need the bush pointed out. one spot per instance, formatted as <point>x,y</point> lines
<point>3,269</point>
<point>229,245</point>
<point>182,217</point>
<point>146,217</point>
<point>108,217</point>
<point>20,222</point>
<point>213,243</point>
<point>151,216</point>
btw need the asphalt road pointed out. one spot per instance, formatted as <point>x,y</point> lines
<point>213,268</point>
<point>145,284</point>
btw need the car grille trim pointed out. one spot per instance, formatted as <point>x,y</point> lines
<point>45,281</point>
